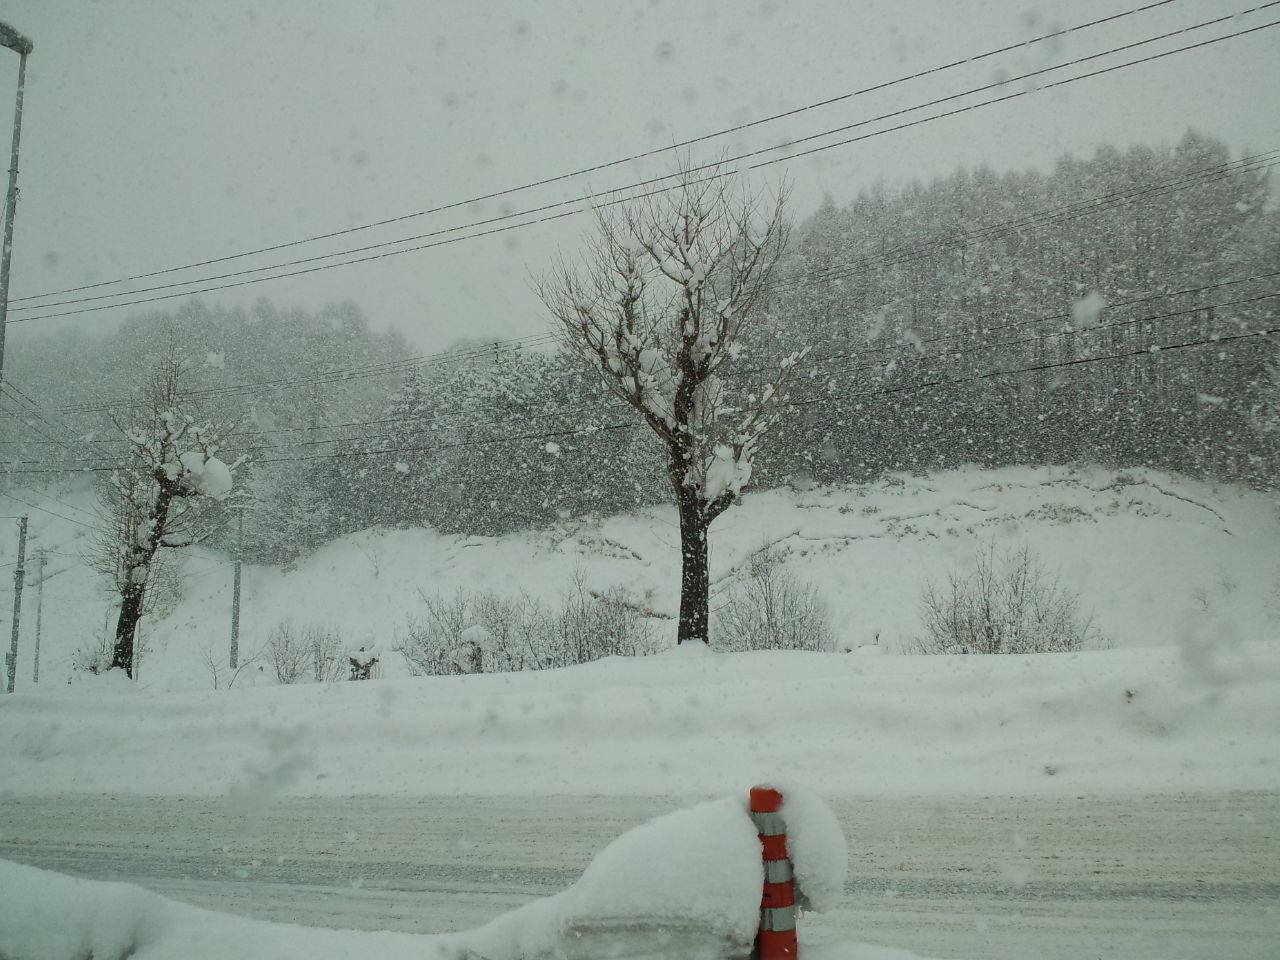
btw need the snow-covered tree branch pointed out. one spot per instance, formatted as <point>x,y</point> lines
<point>658,306</point>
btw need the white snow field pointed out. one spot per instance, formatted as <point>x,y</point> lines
<point>1120,802</point>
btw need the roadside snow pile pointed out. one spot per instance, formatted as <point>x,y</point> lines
<point>1199,716</point>
<point>685,885</point>
<point>816,845</point>
<point>47,916</point>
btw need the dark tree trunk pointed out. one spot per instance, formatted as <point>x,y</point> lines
<point>133,594</point>
<point>127,626</point>
<point>695,577</point>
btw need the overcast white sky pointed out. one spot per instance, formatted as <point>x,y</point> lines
<point>163,132</point>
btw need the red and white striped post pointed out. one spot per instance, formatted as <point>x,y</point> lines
<point>776,939</point>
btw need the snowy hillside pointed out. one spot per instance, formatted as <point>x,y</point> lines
<point>1159,560</point>
<point>1180,576</point>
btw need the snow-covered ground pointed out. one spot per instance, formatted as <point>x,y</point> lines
<point>1181,576</point>
<point>1160,560</point>
<point>686,722</point>
<point>698,901</point>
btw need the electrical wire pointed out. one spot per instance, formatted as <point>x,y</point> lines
<point>612,196</point>
<point>344,375</point>
<point>1148,351</point>
<point>839,357</point>
<point>1054,35</point>
<point>894,256</point>
<point>36,506</point>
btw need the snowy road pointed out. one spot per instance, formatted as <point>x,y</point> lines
<point>1157,876</point>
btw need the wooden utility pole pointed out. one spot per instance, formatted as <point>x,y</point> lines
<point>235,594</point>
<point>20,45</point>
<point>11,658</point>
<point>41,559</point>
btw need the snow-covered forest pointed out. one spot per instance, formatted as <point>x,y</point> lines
<point>1108,312</point>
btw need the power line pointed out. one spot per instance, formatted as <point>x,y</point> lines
<point>1149,351</point>
<point>345,375</point>
<point>590,431</point>
<point>63,503</point>
<point>33,410</point>
<point>35,506</point>
<point>1066,213</point>
<point>1057,34</point>
<point>844,358</point>
<point>1026,92</point>
<point>612,194</point>
<point>840,357</point>
<point>897,255</point>
<point>22,415</point>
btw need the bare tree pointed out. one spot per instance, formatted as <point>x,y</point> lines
<point>659,305</point>
<point>154,502</point>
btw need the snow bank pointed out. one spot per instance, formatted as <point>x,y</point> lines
<point>47,916</point>
<point>816,845</point>
<point>685,885</point>
<point>1198,717</point>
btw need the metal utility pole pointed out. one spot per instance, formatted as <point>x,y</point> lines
<point>11,658</point>
<point>15,41</point>
<point>41,559</point>
<point>235,595</point>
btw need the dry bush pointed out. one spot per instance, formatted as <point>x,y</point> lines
<point>590,626</point>
<point>1006,604</point>
<point>326,657</point>
<point>432,645</point>
<point>488,633</point>
<point>311,650</point>
<point>770,609</point>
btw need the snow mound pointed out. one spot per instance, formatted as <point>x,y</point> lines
<point>816,845</point>
<point>686,885</point>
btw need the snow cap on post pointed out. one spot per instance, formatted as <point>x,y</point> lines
<point>776,939</point>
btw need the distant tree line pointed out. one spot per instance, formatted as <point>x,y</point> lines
<point>956,322</point>
<point>981,318</point>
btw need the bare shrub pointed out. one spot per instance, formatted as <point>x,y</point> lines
<point>1006,604</point>
<point>488,633</point>
<point>223,676</point>
<point>431,644</point>
<point>310,650</point>
<point>590,626</point>
<point>324,647</point>
<point>509,634</point>
<point>768,608</point>
<point>288,652</point>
